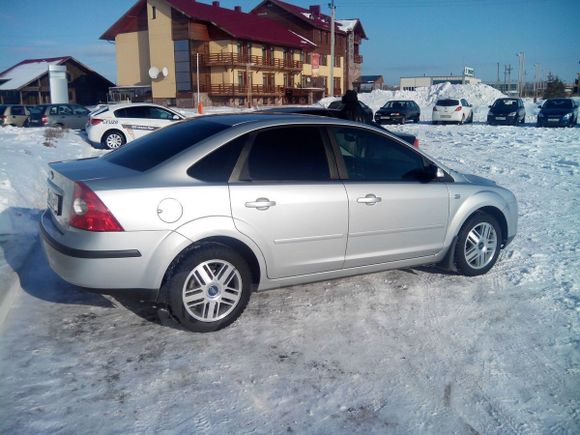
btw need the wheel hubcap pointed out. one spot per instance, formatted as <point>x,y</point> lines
<point>114,141</point>
<point>480,245</point>
<point>212,290</point>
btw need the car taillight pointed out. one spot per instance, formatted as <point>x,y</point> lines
<point>416,143</point>
<point>96,121</point>
<point>458,109</point>
<point>44,120</point>
<point>89,213</point>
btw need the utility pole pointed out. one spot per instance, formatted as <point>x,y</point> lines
<point>521,72</point>
<point>497,81</point>
<point>536,80</point>
<point>509,74</point>
<point>332,36</point>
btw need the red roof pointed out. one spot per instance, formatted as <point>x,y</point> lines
<point>314,18</point>
<point>128,23</point>
<point>239,25</point>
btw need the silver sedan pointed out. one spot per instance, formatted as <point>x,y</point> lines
<point>201,213</point>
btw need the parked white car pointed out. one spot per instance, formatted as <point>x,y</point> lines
<point>114,126</point>
<point>452,110</point>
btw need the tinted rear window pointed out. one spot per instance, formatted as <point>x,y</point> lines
<point>155,148</point>
<point>448,103</point>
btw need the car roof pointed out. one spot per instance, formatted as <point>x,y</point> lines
<point>123,105</point>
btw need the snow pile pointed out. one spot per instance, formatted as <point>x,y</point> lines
<point>480,96</point>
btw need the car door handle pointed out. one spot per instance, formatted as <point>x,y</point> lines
<point>369,199</point>
<point>261,204</point>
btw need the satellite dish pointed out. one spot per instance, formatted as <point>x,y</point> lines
<point>153,72</point>
<point>164,71</point>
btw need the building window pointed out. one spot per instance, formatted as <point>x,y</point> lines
<point>182,66</point>
<point>153,12</point>
<point>323,60</point>
<point>337,61</point>
<point>306,81</point>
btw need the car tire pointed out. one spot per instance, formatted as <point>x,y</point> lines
<point>113,139</point>
<point>26,123</point>
<point>417,120</point>
<point>208,288</point>
<point>478,245</point>
<point>403,121</point>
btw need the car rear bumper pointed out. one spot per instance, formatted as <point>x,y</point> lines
<point>389,119</point>
<point>553,122</point>
<point>447,117</point>
<point>502,120</point>
<point>95,261</point>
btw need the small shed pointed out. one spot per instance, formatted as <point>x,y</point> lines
<point>28,82</point>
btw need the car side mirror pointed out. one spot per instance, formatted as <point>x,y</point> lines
<point>433,172</point>
<point>176,118</point>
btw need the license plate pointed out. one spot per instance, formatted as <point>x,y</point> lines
<point>386,117</point>
<point>500,118</point>
<point>554,119</point>
<point>54,201</point>
<point>445,116</point>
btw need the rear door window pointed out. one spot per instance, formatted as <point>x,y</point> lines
<point>65,110</point>
<point>218,165</point>
<point>287,154</point>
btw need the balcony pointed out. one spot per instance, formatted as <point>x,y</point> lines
<point>256,62</point>
<point>242,90</point>
<point>358,58</point>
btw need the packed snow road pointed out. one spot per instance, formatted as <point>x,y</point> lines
<point>406,351</point>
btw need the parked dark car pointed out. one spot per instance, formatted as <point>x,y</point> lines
<point>366,110</point>
<point>507,111</point>
<point>337,113</point>
<point>72,116</point>
<point>36,112</point>
<point>558,112</point>
<point>398,112</point>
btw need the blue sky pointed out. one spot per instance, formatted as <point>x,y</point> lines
<point>406,37</point>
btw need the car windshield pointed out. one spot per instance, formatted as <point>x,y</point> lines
<point>558,104</point>
<point>155,148</point>
<point>505,104</point>
<point>447,103</point>
<point>394,105</point>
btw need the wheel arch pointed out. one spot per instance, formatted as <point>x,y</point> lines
<point>255,263</point>
<point>483,202</point>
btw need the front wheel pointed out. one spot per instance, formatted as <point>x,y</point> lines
<point>113,139</point>
<point>209,288</point>
<point>478,245</point>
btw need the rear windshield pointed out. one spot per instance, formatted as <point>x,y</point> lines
<point>558,104</point>
<point>447,103</point>
<point>155,148</point>
<point>505,104</point>
<point>35,109</point>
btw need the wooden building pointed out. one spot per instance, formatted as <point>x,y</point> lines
<point>266,56</point>
<point>27,82</point>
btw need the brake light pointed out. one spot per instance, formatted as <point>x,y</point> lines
<point>458,109</point>
<point>416,143</point>
<point>44,120</point>
<point>89,213</point>
<point>96,121</point>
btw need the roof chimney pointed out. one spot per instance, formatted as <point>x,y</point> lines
<point>216,4</point>
<point>238,8</point>
<point>315,10</point>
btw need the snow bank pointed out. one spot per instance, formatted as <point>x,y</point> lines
<point>480,96</point>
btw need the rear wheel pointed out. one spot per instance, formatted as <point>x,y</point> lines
<point>478,245</point>
<point>209,288</point>
<point>113,139</point>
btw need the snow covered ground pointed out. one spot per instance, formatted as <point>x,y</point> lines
<point>406,351</point>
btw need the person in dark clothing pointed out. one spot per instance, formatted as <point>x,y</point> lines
<point>352,109</point>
